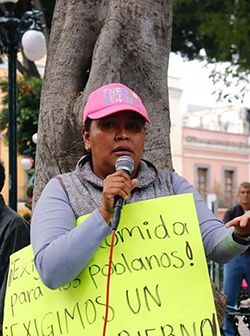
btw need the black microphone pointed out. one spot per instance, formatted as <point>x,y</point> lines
<point>125,163</point>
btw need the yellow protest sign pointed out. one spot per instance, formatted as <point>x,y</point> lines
<point>159,284</point>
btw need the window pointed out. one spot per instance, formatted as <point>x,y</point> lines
<point>229,187</point>
<point>202,181</point>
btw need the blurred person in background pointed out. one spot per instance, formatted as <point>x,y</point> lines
<point>239,267</point>
<point>14,235</point>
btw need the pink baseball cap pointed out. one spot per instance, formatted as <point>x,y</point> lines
<point>112,98</point>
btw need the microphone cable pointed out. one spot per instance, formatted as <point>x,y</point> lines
<point>124,163</point>
<point>108,283</point>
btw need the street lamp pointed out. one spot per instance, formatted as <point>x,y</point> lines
<point>12,31</point>
<point>28,161</point>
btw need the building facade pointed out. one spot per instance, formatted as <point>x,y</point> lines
<point>210,147</point>
<point>216,162</point>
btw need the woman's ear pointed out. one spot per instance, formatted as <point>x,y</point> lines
<point>85,138</point>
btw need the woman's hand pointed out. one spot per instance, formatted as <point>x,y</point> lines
<point>117,184</point>
<point>241,224</point>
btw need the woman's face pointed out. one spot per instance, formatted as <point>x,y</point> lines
<point>108,138</point>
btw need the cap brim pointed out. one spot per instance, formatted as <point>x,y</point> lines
<point>114,109</point>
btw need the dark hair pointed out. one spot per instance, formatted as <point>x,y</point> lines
<point>2,175</point>
<point>87,124</point>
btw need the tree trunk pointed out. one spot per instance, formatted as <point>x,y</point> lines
<point>94,42</point>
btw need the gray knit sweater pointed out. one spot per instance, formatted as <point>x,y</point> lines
<point>82,184</point>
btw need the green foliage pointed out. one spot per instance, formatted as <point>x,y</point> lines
<point>30,188</point>
<point>28,101</point>
<point>220,27</point>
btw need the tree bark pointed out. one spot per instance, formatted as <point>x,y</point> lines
<point>95,42</point>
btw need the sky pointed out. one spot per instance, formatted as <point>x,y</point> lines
<point>196,84</point>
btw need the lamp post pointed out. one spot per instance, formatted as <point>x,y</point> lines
<point>12,31</point>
